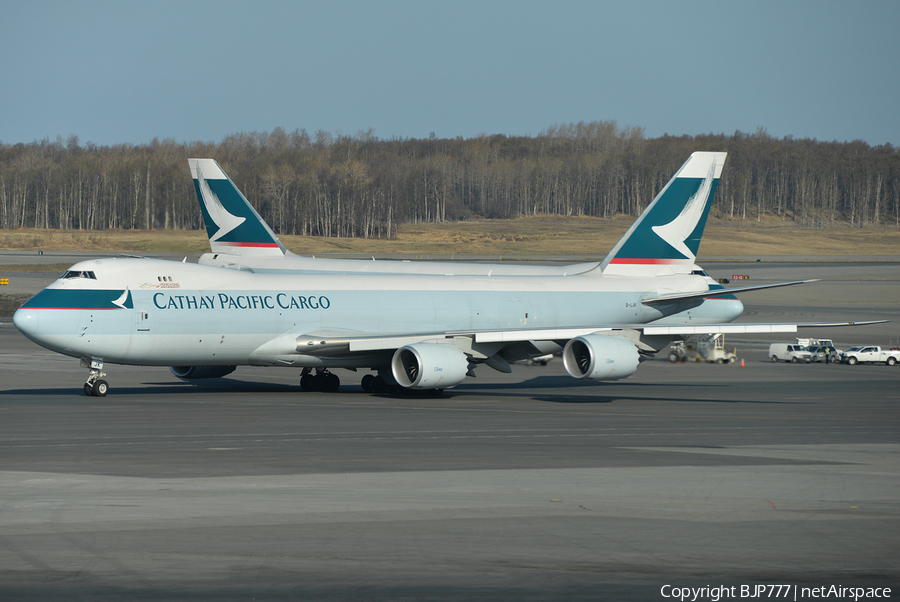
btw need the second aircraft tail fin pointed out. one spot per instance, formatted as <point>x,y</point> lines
<point>233,226</point>
<point>665,238</point>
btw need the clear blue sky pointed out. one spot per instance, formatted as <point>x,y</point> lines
<point>127,72</point>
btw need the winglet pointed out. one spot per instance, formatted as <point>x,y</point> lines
<point>666,236</point>
<point>233,226</point>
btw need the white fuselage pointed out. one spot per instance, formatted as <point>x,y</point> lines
<point>151,312</point>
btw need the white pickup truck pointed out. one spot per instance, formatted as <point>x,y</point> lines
<point>870,353</point>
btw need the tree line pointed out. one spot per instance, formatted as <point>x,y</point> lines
<point>339,185</point>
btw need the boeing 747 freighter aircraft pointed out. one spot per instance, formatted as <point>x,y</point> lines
<point>415,331</point>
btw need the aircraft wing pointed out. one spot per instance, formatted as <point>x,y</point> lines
<point>443,359</point>
<point>338,344</point>
<point>744,328</point>
<point>510,336</point>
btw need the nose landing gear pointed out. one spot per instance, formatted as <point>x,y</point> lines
<point>95,386</point>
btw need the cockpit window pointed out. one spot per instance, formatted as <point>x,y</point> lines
<point>78,274</point>
<point>699,273</point>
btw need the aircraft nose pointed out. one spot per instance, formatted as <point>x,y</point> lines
<point>26,320</point>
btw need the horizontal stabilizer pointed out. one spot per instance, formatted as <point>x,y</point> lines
<point>717,292</point>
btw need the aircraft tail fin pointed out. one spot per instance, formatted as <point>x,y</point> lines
<point>665,238</point>
<point>232,224</point>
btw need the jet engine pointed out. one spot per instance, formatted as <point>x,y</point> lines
<point>600,357</point>
<point>195,372</point>
<point>429,366</point>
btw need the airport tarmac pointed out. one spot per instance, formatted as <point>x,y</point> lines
<point>528,486</point>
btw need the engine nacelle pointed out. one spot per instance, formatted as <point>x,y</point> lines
<point>600,357</point>
<point>195,372</point>
<point>429,366</point>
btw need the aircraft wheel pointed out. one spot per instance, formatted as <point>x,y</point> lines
<point>318,382</point>
<point>100,388</point>
<point>368,383</point>
<point>380,385</point>
<point>332,382</point>
<point>306,383</point>
<point>87,390</point>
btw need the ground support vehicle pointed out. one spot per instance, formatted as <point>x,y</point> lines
<point>815,342</point>
<point>871,354</point>
<point>702,348</point>
<point>819,353</point>
<point>789,352</point>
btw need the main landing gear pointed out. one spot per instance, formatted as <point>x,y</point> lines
<point>376,384</point>
<point>95,386</point>
<point>322,380</point>
<point>372,383</point>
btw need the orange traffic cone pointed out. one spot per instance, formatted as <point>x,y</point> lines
<point>742,362</point>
